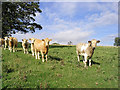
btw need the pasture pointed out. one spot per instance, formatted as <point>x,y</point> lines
<point>62,70</point>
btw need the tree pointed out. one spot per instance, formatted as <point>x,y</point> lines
<point>55,44</point>
<point>117,41</point>
<point>19,16</point>
<point>70,43</point>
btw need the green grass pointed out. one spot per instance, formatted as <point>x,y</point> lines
<point>62,70</point>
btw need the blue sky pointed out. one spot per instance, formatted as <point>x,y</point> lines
<point>77,22</point>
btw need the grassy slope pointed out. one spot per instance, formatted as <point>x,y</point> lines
<point>62,69</point>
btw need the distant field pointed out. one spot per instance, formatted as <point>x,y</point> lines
<point>62,69</point>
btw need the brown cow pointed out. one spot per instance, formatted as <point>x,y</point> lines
<point>1,42</point>
<point>41,46</point>
<point>12,44</point>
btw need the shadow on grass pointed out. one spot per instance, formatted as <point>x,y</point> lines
<point>5,87</point>
<point>19,50</point>
<point>92,62</point>
<point>54,58</point>
<point>30,52</point>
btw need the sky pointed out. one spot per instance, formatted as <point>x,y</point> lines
<point>76,22</point>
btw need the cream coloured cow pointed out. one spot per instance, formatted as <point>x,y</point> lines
<point>32,46</point>
<point>25,45</point>
<point>6,42</point>
<point>41,46</point>
<point>86,50</point>
<point>13,44</point>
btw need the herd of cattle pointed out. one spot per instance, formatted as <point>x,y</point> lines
<point>41,46</point>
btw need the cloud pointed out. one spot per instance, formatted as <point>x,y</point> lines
<point>108,40</point>
<point>68,9</point>
<point>75,35</point>
<point>102,19</point>
<point>103,7</point>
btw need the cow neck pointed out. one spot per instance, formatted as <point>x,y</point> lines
<point>45,45</point>
<point>90,46</point>
<point>6,41</point>
<point>32,44</point>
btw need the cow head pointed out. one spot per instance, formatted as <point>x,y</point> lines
<point>94,42</point>
<point>46,40</point>
<point>10,39</point>
<point>24,41</point>
<point>6,38</point>
<point>32,40</point>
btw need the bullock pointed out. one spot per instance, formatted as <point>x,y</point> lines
<point>86,50</point>
<point>6,42</point>
<point>32,46</point>
<point>25,45</point>
<point>41,46</point>
<point>12,44</point>
<point>1,42</point>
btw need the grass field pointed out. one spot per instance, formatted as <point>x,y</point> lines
<point>62,70</point>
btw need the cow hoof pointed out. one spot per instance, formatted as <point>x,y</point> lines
<point>90,66</point>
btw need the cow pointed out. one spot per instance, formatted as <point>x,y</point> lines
<point>25,45</point>
<point>86,50</point>
<point>13,44</point>
<point>41,46</point>
<point>1,42</point>
<point>32,46</point>
<point>6,42</point>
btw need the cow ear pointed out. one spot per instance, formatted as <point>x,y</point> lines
<point>98,41</point>
<point>50,39</point>
<point>43,40</point>
<point>89,41</point>
<point>22,39</point>
<point>29,38</point>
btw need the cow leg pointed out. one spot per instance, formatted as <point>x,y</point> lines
<point>46,57</point>
<point>33,53</point>
<point>10,49</point>
<point>16,48</point>
<point>5,47</point>
<point>78,56</point>
<point>90,62</point>
<point>27,51</point>
<point>38,55</point>
<point>85,61</point>
<point>42,56</point>
<point>13,48</point>
<point>24,50</point>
